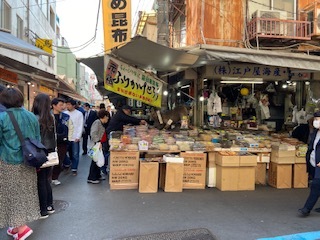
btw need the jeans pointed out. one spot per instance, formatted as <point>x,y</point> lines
<point>74,150</point>
<point>44,189</point>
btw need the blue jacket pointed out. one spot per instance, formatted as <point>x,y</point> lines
<point>310,168</point>
<point>10,146</point>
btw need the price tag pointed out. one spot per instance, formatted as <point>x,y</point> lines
<point>243,149</point>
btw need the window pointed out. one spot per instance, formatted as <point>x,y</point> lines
<point>52,18</point>
<point>5,16</point>
<point>19,27</point>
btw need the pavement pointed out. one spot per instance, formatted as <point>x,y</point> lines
<point>94,212</point>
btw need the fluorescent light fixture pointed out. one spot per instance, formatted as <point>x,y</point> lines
<point>243,82</point>
<point>185,86</point>
<point>241,79</point>
<point>205,80</point>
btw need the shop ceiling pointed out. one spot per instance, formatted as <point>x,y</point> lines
<point>145,54</point>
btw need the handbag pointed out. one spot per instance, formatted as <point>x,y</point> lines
<point>34,153</point>
<point>53,160</point>
<point>53,157</point>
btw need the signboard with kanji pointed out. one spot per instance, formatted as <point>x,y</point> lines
<point>131,82</point>
<point>44,44</point>
<point>116,22</point>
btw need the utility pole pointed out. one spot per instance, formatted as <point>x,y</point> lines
<point>163,22</point>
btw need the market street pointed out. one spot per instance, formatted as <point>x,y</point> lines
<point>93,212</point>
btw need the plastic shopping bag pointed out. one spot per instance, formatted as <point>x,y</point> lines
<point>99,158</point>
<point>94,150</point>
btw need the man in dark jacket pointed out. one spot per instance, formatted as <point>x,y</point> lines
<point>121,118</point>
<point>313,167</point>
<point>89,117</point>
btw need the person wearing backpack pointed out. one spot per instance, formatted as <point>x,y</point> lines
<point>19,202</point>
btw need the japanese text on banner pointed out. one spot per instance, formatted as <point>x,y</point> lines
<point>131,82</point>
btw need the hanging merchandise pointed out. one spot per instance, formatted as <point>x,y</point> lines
<point>301,117</point>
<point>214,105</point>
<point>264,105</point>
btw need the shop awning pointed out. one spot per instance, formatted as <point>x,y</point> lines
<point>11,42</point>
<point>211,53</point>
<point>25,69</point>
<point>146,54</point>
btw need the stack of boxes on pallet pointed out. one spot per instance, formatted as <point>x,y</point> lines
<point>286,170</point>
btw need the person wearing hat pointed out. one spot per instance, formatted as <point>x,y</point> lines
<point>121,118</point>
<point>313,167</point>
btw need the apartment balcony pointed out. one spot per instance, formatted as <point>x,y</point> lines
<point>279,29</point>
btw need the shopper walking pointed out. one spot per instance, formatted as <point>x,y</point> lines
<point>63,124</point>
<point>41,108</point>
<point>19,202</point>
<point>76,118</point>
<point>89,117</point>
<point>97,131</point>
<point>313,167</point>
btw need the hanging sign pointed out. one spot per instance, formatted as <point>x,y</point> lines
<point>131,82</point>
<point>44,44</point>
<point>116,22</point>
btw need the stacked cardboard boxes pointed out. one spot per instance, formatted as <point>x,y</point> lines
<point>171,177</point>
<point>235,171</point>
<point>280,169</point>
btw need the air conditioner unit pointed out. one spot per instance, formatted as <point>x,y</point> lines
<point>313,16</point>
<point>266,25</point>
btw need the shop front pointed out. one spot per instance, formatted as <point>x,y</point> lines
<point>243,104</point>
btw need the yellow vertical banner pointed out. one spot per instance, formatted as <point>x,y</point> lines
<point>116,22</point>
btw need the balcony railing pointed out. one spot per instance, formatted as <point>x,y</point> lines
<point>279,28</point>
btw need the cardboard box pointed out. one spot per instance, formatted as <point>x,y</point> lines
<point>227,160</point>
<point>300,175</point>
<point>171,177</point>
<point>282,160</point>
<point>148,177</point>
<point>280,175</point>
<point>261,173</point>
<point>171,158</point>
<point>194,171</point>
<point>248,160</point>
<point>264,157</point>
<point>235,178</point>
<point>227,178</point>
<point>246,179</point>
<point>300,160</point>
<point>211,179</point>
<point>283,153</point>
<point>124,170</point>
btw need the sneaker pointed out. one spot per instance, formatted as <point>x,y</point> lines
<point>74,172</point>
<point>56,182</point>
<point>44,216</point>
<point>50,209</point>
<point>22,236</point>
<point>93,181</point>
<point>10,231</point>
